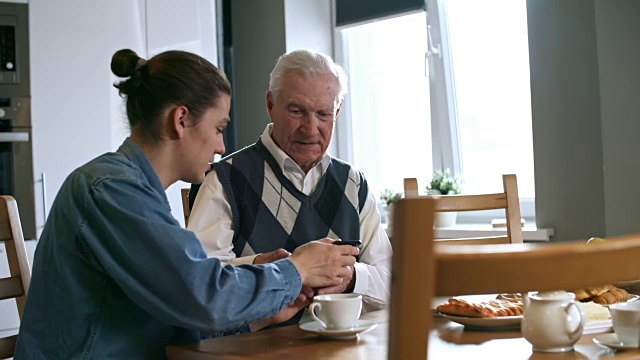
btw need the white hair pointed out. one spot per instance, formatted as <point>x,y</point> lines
<point>309,63</point>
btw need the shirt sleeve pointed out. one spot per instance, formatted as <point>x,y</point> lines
<point>212,222</point>
<point>373,272</point>
<point>162,267</point>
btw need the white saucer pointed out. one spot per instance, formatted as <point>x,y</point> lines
<point>316,328</point>
<point>611,340</point>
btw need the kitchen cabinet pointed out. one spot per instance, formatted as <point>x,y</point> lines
<point>76,113</point>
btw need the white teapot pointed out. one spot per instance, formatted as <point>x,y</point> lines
<point>552,321</point>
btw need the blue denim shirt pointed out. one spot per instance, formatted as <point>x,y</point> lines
<point>115,276</point>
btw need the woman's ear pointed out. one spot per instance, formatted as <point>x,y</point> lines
<point>179,121</point>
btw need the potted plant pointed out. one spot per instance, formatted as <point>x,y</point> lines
<point>444,183</point>
<point>389,199</point>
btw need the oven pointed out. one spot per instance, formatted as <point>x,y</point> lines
<point>16,164</point>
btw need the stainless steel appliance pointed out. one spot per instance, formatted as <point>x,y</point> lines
<point>16,160</point>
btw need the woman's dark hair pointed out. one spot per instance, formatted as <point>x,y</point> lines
<point>169,78</point>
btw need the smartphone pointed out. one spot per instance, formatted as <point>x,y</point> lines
<point>355,243</point>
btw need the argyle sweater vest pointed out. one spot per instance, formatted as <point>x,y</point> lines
<point>270,213</point>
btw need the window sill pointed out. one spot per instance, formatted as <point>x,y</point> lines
<point>530,233</point>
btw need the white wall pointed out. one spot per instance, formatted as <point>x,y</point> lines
<point>76,112</point>
<point>189,26</point>
<point>308,25</point>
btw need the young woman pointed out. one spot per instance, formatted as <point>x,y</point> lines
<point>114,274</point>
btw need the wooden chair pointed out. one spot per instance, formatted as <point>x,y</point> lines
<point>507,200</point>
<point>421,270</point>
<point>413,281</point>
<point>17,284</point>
<point>184,193</point>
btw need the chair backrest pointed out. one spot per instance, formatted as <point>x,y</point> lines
<point>184,194</point>
<point>412,282</point>
<point>507,200</point>
<point>422,270</point>
<point>17,284</point>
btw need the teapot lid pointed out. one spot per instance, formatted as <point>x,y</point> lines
<point>552,295</point>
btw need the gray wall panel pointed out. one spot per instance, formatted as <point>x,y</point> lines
<point>258,40</point>
<point>618,36</point>
<point>566,118</point>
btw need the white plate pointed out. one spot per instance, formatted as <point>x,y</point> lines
<point>630,298</point>
<point>496,323</point>
<point>437,300</point>
<point>627,284</point>
<point>597,327</point>
<point>612,341</point>
<point>316,328</point>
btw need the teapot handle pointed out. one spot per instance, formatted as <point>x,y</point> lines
<point>574,332</point>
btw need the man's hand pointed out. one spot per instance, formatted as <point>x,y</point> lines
<point>322,264</point>
<point>346,286</point>
<point>304,299</point>
<point>271,256</point>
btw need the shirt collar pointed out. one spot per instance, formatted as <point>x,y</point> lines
<point>134,153</point>
<point>283,160</point>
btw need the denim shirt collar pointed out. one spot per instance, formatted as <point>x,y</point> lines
<point>134,153</point>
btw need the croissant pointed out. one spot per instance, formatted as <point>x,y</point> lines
<point>611,297</point>
<point>586,293</point>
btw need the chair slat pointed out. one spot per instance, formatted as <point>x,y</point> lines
<point>411,188</point>
<point>507,200</point>
<point>5,231</point>
<point>17,285</point>
<point>7,346</point>
<point>512,212</point>
<point>471,202</point>
<point>10,287</point>
<point>184,194</point>
<point>475,241</point>
<point>485,269</point>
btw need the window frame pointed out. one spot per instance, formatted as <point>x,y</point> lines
<point>444,117</point>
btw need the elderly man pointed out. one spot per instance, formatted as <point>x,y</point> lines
<point>285,190</point>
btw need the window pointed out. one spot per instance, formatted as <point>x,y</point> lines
<point>388,100</point>
<point>472,113</point>
<point>490,63</point>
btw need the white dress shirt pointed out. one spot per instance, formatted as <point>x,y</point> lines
<point>212,221</point>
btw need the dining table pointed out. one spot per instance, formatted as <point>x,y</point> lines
<point>447,340</point>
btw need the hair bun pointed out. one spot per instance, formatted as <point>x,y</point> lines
<point>124,63</point>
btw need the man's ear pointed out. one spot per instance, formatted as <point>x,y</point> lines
<point>338,111</point>
<point>269,99</point>
<point>179,121</point>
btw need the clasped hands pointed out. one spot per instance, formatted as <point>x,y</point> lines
<point>324,270</point>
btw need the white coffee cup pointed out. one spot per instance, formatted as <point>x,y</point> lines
<point>625,317</point>
<point>336,311</point>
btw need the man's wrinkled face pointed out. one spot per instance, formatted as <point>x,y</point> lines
<point>303,116</point>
